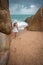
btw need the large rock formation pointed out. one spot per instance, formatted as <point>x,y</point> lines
<point>5,27</point>
<point>37,21</point>
<point>4,49</point>
<point>5,22</point>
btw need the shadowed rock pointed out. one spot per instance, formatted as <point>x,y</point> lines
<point>28,20</point>
<point>4,4</point>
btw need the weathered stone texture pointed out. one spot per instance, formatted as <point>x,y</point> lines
<point>4,48</point>
<point>5,28</point>
<point>5,22</point>
<point>37,21</point>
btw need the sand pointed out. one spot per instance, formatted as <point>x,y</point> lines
<point>27,49</point>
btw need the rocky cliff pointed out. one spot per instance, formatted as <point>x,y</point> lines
<point>37,21</point>
<point>5,30</point>
<point>5,22</point>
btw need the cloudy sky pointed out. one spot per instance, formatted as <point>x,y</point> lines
<point>24,6</point>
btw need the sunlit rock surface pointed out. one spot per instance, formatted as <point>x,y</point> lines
<point>4,48</point>
<point>37,21</point>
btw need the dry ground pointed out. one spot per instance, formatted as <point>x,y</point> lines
<point>27,49</point>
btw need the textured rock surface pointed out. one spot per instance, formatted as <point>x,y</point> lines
<point>5,27</point>
<point>5,22</point>
<point>37,21</point>
<point>28,20</point>
<point>4,4</point>
<point>4,48</point>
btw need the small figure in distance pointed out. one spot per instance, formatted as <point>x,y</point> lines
<point>15,29</point>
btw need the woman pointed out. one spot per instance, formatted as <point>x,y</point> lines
<point>15,28</point>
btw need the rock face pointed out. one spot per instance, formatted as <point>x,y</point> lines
<point>37,21</point>
<point>5,22</point>
<point>4,49</point>
<point>4,4</point>
<point>5,28</point>
<point>28,20</point>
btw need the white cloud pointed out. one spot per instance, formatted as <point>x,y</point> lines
<point>21,9</point>
<point>32,6</point>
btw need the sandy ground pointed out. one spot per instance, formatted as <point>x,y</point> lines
<point>27,49</point>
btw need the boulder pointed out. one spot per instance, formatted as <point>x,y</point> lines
<point>5,22</point>
<point>4,49</point>
<point>5,28</point>
<point>28,20</point>
<point>37,21</point>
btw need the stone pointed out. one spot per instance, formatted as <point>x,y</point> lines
<point>5,22</point>
<point>4,48</point>
<point>5,30</point>
<point>28,20</point>
<point>37,21</point>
